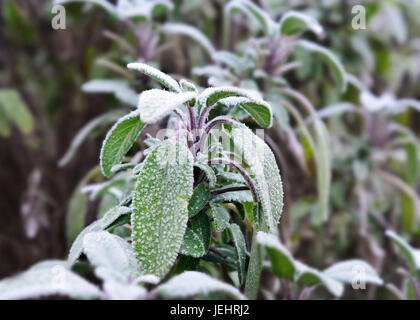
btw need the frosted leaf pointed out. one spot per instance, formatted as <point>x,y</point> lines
<point>199,199</point>
<point>240,250</point>
<point>293,22</point>
<point>50,278</point>
<point>196,240</point>
<point>77,246</point>
<point>155,104</point>
<point>234,196</point>
<point>257,108</point>
<point>373,103</point>
<point>220,216</point>
<point>122,291</point>
<point>254,12</point>
<point>189,31</point>
<point>160,206</point>
<point>119,140</point>
<point>140,8</point>
<point>323,163</point>
<point>81,136</point>
<point>112,215</point>
<point>263,168</point>
<point>165,80</point>
<point>345,272</point>
<point>109,217</point>
<point>192,283</point>
<point>282,262</point>
<point>330,59</point>
<point>411,255</point>
<point>187,85</point>
<point>309,277</point>
<point>112,257</point>
<point>232,177</point>
<point>211,176</point>
<point>119,88</point>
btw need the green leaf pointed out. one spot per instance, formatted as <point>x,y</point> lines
<point>233,196</point>
<point>16,110</point>
<point>76,214</point>
<point>211,176</point>
<point>165,80</point>
<point>160,206</point>
<point>411,255</point>
<point>119,140</point>
<point>323,162</point>
<point>293,22</point>
<point>308,276</point>
<point>197,238</point>
<point>47,279</point>
<point>155,104</point>
<point>192,283</point>
<point>199,199</point>
<point>102,3</point>
<point>109,217</point>
<point>265,173</point>
<point>282,262</point>
<point>141,8</point>
<point>221,216</point>
<point>330,59</point>
<point>240,247</point>
<point>120,88</point>
<point>112,257</point>
<point>250,101</point>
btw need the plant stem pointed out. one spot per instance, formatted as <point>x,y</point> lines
<point>241,170</point>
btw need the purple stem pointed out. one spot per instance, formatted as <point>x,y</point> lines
<point>241,170</point>
<point>211,125</point>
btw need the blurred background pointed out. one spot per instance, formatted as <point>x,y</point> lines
<point>42,71</point>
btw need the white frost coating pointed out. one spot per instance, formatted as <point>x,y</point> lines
<point>332,61</point>
<point>192,32</point>
<point>305,22</point>
<point>156,74</point>
<point>411,254</point>
<point>187,85</point>
<point>122,291</point>
<point>234,196</point>
<point>345,272</point>
<point>191,283</point>
<point>112,256</point>
<point>160,206</point>
<point>155,104</point>
<point>47,280</point>
<point>265,173</point>
<point>148,278</point>
<point>304,272</point>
